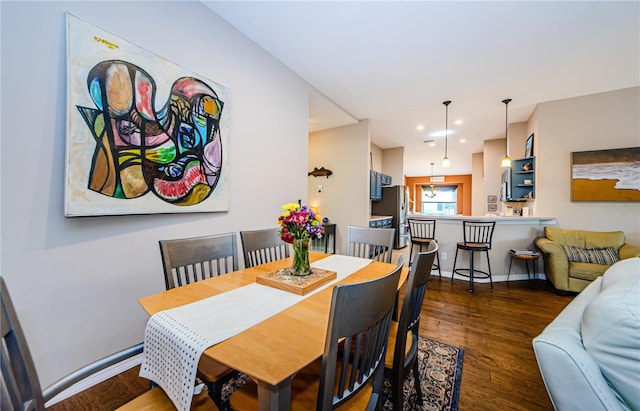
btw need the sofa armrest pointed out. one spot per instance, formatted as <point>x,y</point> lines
<point>628,251</point>
<point>556,262</point>
<point>571,375</point>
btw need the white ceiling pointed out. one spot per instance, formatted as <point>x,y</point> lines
<point>395,62</point>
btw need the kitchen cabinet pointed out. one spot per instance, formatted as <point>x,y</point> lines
<point>381,222</point>
<point>523,182</point>
<point>376,181</point>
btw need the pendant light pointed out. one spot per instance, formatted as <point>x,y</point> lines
<point>445,160</point>
<point>506,161</point>
<point>432,191</point>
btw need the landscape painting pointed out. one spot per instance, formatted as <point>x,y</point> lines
<point>144,135</point>
<point>606,175</point>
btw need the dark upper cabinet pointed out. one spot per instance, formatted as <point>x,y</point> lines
<point>376,181</point>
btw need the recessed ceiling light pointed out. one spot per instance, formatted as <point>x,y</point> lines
<point>458,122</point>
<point>462,140</point>
<point>441,133</point>
<point>420,127</point>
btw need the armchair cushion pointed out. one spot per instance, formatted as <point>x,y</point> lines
<point>584,239</point>
<point>586,271</point>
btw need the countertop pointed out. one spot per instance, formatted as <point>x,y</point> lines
<point>379,217</point>
<point>498,219</point>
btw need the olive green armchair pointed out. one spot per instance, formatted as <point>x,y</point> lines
<point>574,258</point>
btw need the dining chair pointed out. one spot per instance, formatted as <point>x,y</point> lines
<point>402,346</point>
<point>349,375</point>
<point>477,237</point>
<point>372,243</point>
<point>263,246</point>
<point>187,260</point>
<point>20,386</point>
<point>422,233</point>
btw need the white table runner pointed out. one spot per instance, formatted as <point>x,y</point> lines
<point>176,338</point>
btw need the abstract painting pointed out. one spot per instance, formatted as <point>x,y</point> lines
<point>144,135</point>
<point>606,175</point>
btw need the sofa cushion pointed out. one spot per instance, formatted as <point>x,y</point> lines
<point>610,329</point>
<point>586,271</point>
<point>584,239</point>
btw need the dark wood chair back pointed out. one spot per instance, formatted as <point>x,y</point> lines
<point>263,246</point>
<point>408,327</point>
<point>420,229</point>
<point>373,243</point>
<point>477,234</point>
<point>187,260</point>
<point>357,333</point>
<point>20,387</point>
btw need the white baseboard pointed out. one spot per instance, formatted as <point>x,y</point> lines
<point>96,379</point>
<point>495,278</point>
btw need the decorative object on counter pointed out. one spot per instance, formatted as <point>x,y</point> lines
<point>445,160</point>
<point>298,225</point>
<point>605,175</point>
<point>320,172</point>
<point>528,147</point>
<point>432,191</point>
<point>506,161</point>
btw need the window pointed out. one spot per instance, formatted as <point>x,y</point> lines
<point>444,203</point>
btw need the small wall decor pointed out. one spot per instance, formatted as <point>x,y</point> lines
<point>144,135</point>
<point>528,147</point>
<point>320,172</point>
<point>606,175</point>
<point>492,199</point>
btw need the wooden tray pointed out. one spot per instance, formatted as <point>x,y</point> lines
<point>300,285</point>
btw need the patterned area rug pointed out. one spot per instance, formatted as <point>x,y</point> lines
<point>440,368</point>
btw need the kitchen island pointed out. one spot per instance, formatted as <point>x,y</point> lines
<point>510,232</point>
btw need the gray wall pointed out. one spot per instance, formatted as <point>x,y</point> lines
<point>76,281</point>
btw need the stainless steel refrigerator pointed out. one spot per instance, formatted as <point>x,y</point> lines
<point>395,202</point>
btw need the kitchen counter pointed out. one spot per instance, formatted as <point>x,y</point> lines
<point>510,232</point>
<point>498,219</point>
<point>379,217</point>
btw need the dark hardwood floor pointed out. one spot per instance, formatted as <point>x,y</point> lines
<point>494,327</point>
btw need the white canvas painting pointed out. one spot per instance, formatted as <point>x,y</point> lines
<point>144,135</point>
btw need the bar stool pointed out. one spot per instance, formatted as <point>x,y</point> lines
<point>477,236</point>
<point>422,233</point>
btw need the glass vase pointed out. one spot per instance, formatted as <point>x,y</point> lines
<point>301,264</point>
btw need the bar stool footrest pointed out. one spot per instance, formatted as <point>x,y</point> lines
<point>465,272</point>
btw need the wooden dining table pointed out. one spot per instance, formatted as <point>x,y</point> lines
<point>274,350</point>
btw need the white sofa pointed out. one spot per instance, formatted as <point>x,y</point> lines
<point>589,355</point>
